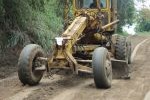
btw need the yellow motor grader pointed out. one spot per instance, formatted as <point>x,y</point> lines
<point>87,45</point>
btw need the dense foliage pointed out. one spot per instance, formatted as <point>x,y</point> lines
<point>143,20</point>
<point>126,11</point>
<point>36,21</point>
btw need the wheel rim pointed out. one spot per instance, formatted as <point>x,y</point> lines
<point>108,68</point>
<point>36,63</point>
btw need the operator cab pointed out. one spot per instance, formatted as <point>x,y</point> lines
<point>90,4</point>
<point>105,9</point>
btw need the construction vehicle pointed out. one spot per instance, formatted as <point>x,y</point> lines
<point>88,45</point>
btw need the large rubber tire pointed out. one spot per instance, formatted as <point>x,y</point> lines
<point>121,48</point>
<point>102,68</point>
<point>26,65</point>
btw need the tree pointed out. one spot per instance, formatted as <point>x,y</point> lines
<point>143,20</point>
<point>126,11</point>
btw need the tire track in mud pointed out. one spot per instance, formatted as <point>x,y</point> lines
<point>60,89</point>
<point>136,49</point>
<point>70,93</point>
<point>12,89</point>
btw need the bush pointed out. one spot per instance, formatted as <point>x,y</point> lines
<point>35,21</point>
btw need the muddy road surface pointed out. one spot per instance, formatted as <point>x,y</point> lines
<point>69,87</point>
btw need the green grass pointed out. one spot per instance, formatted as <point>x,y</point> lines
<point>143,33</point>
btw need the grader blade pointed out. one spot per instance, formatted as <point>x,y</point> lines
<point>120,69</point>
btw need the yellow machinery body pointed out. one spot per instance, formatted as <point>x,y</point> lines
<point>84,33</point>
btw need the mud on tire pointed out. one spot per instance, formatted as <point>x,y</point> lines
<point>121,48</point>
<point>102,68</point>
<point>26,65</point>
<point>129,47</point>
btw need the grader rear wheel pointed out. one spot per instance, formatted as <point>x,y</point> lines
<point>123,53</point>
<point>129,51</point>
<point>102,68</point>
<point>121,48</point>
<point>27,64</point>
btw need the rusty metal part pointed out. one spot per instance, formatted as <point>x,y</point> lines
<point>85,61</point>
<point>120,69</point>
<point>42,58</point>
<point>85,48</point>
<point>110,24</point>
<point>85,69</point>
<point>99,37</point>
<point>42,68</point>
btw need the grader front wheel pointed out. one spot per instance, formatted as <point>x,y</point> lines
<point>102,68</point>
<point>27,65</point>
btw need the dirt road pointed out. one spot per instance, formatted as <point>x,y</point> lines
<point>83,88</point>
